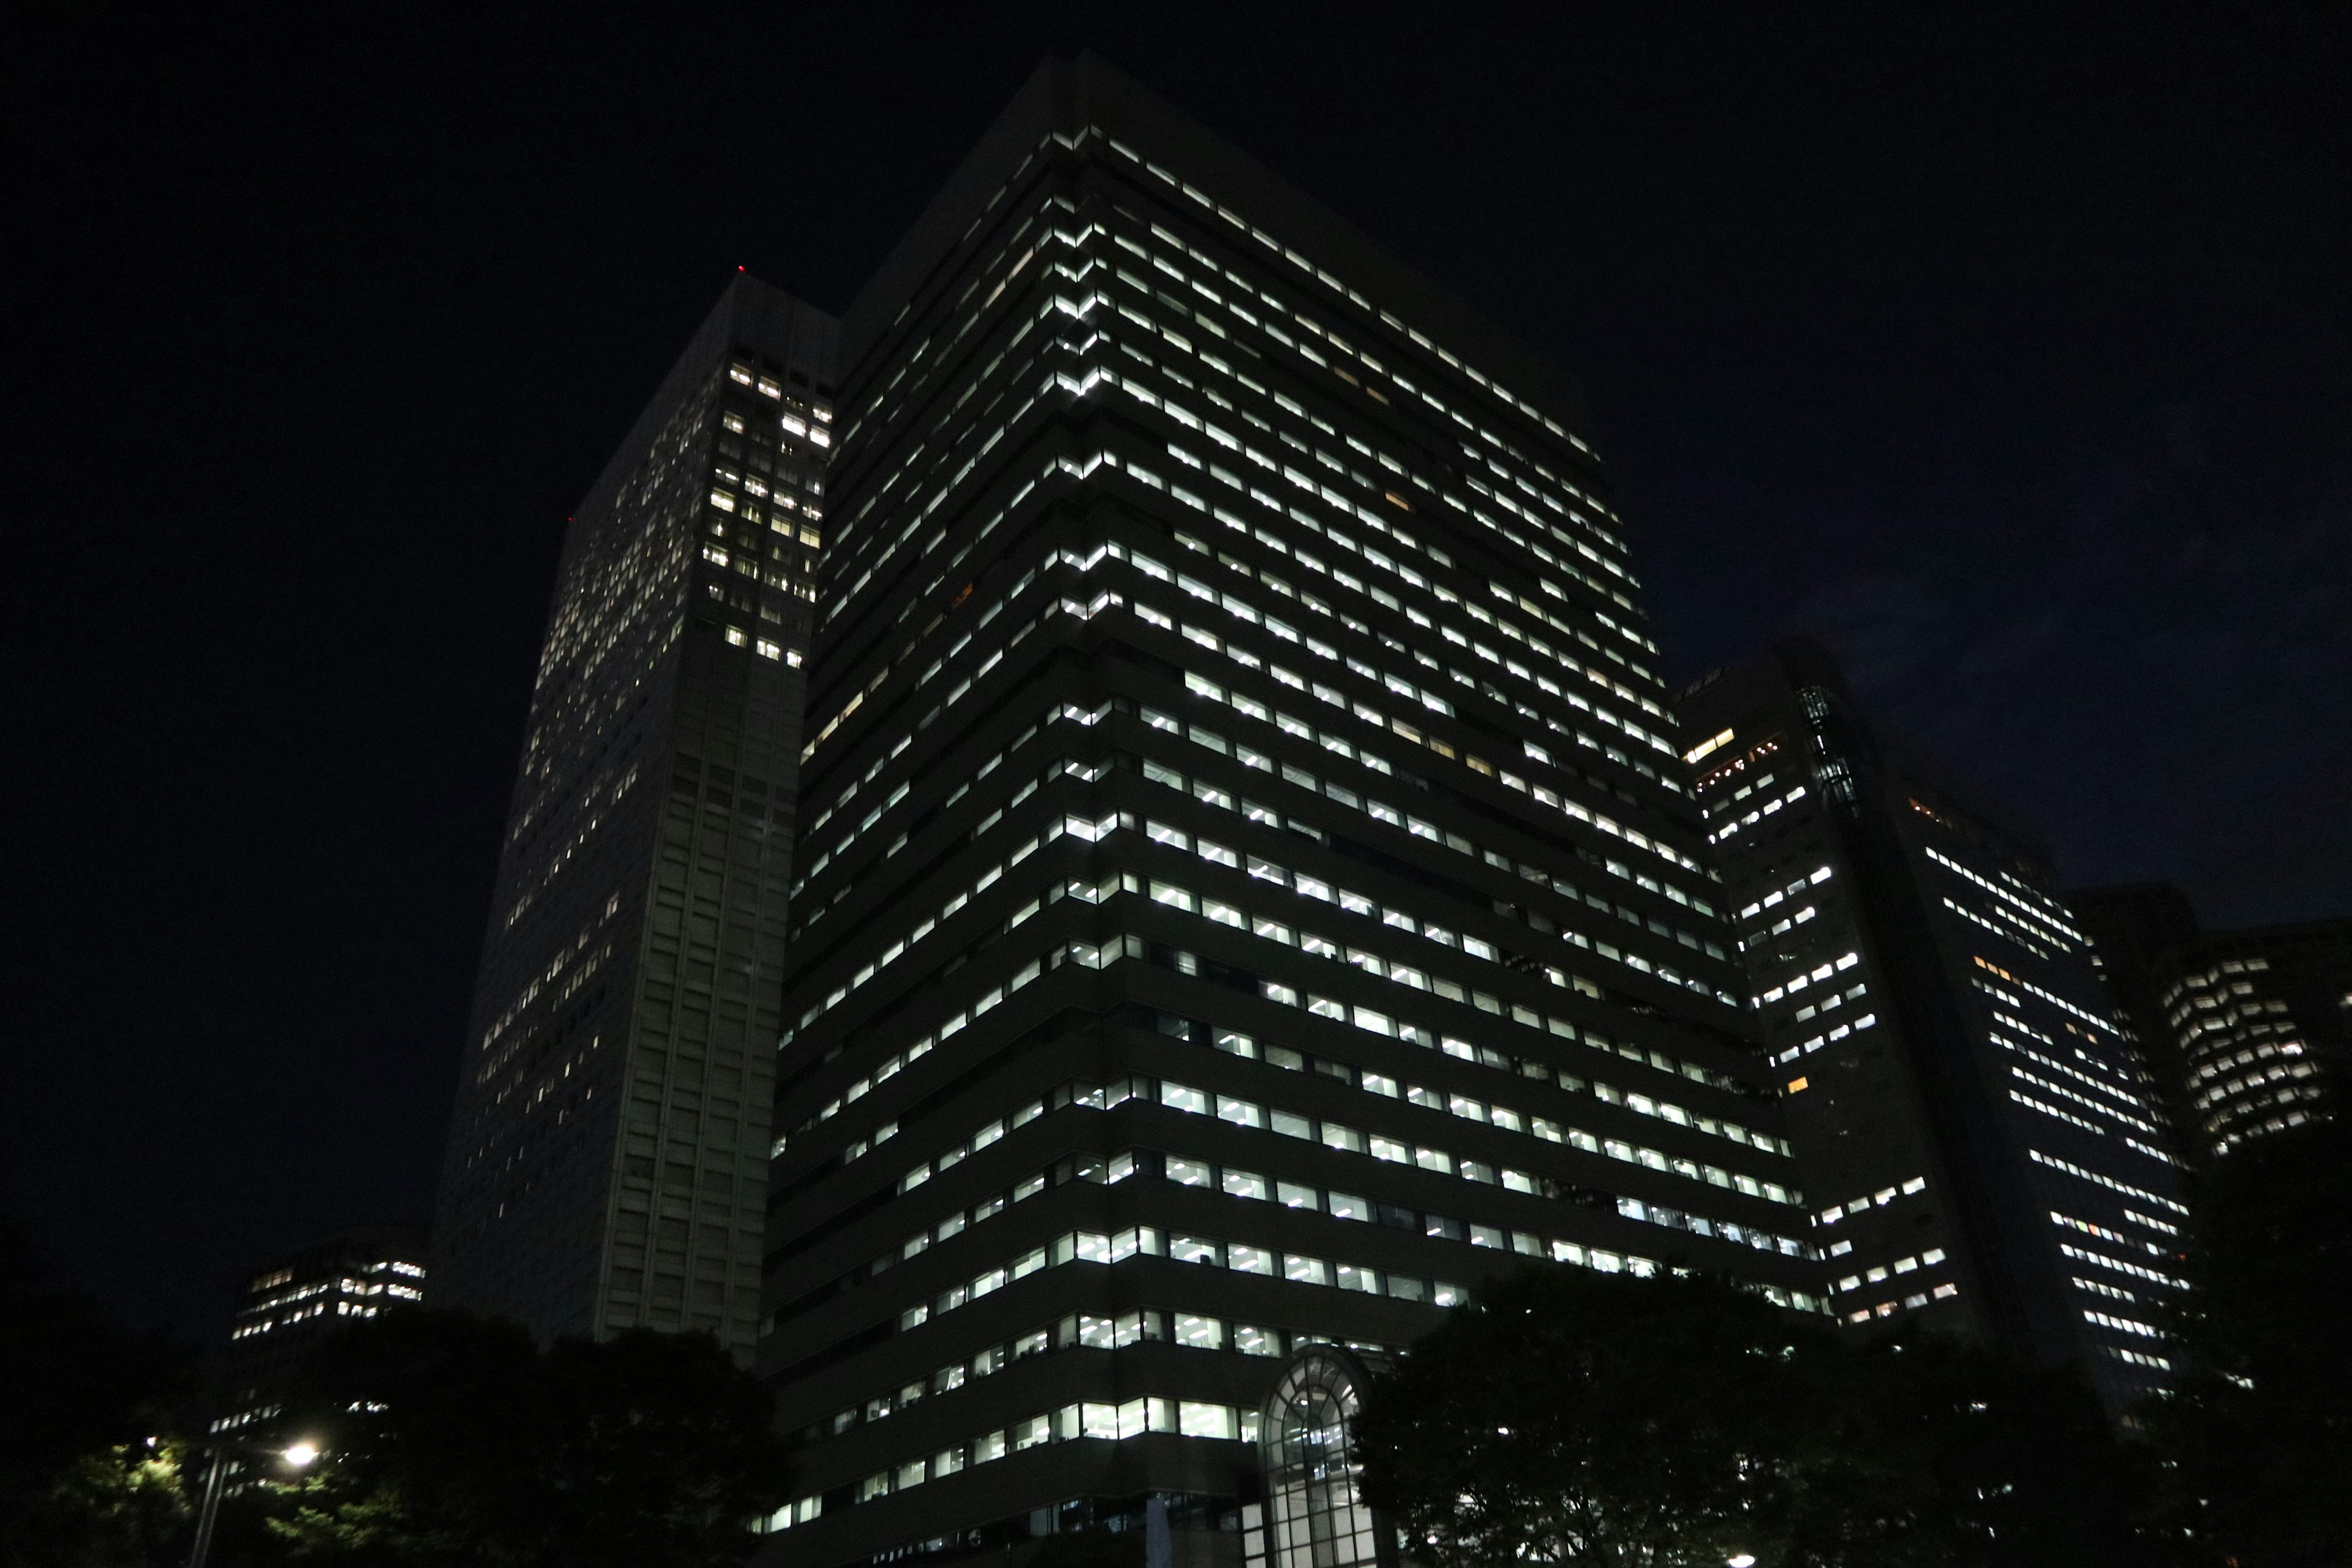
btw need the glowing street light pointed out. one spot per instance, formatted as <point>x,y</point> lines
<point>298,1455</point>
<point>1745,1560</point>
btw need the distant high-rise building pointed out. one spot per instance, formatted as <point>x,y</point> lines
<point>1982,1145</point>
<point>2251,1030</point>
<point>291,1300</point>
<point>607,1160</point>
<point>1249,890</point>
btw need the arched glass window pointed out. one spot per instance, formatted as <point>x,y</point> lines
<point>1315,1513</point>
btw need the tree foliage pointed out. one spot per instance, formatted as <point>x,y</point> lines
<point>1573,1417</point>
<point>1922,1449</point>
<point>88,1467</point>
<point>1564,1416</point>
<point>448,1437</point>
<point>2259,1432</point>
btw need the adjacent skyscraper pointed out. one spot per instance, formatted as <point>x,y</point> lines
<point>2251,1028</point>
<point>608,1155</point>
<point>1248,892</point>
<point>1982,1145</point>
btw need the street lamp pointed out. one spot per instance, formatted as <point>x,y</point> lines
<point>1745,1560</point>
<point>298,1455</point>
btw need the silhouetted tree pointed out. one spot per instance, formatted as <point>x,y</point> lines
<point>450,1437</point>
<point>1574,1418</point>
<point>2259,1433</point>
<point>89,1455</point>
<point>1924,1449</point>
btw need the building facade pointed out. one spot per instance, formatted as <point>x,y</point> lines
<point>608,1150</point>
<point>290,1301</point>
<point>2260,1018</point>
<point>1984,1147</point>
<point>1248,892</point>
<point>2251,1028</point>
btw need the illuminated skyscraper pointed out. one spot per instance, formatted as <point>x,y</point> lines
<point>2252,1029</point>
<point>607,1158</point>
<point>1249,893</point>
<point>2261,1020</point>
<point>1982,1146</point>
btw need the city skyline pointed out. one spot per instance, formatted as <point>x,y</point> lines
<point>1888,620</point>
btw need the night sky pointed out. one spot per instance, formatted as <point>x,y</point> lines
<point>2007,349</point>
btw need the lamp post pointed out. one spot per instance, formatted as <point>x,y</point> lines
<point>298,1455</point>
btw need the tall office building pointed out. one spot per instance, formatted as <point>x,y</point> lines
<point>1248,894</point>
<point>608,1154</point>
<point>1982,1145</point>
<point>2252,1029</point>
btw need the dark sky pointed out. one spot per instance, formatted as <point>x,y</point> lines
<point>2008,349</point>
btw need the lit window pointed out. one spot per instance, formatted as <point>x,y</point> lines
<point>1192,1249</point>
<point>1251,1340</point>
<point>1188,1173</point>
<point>1198,1420</point>
<point>1202,1333</point>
